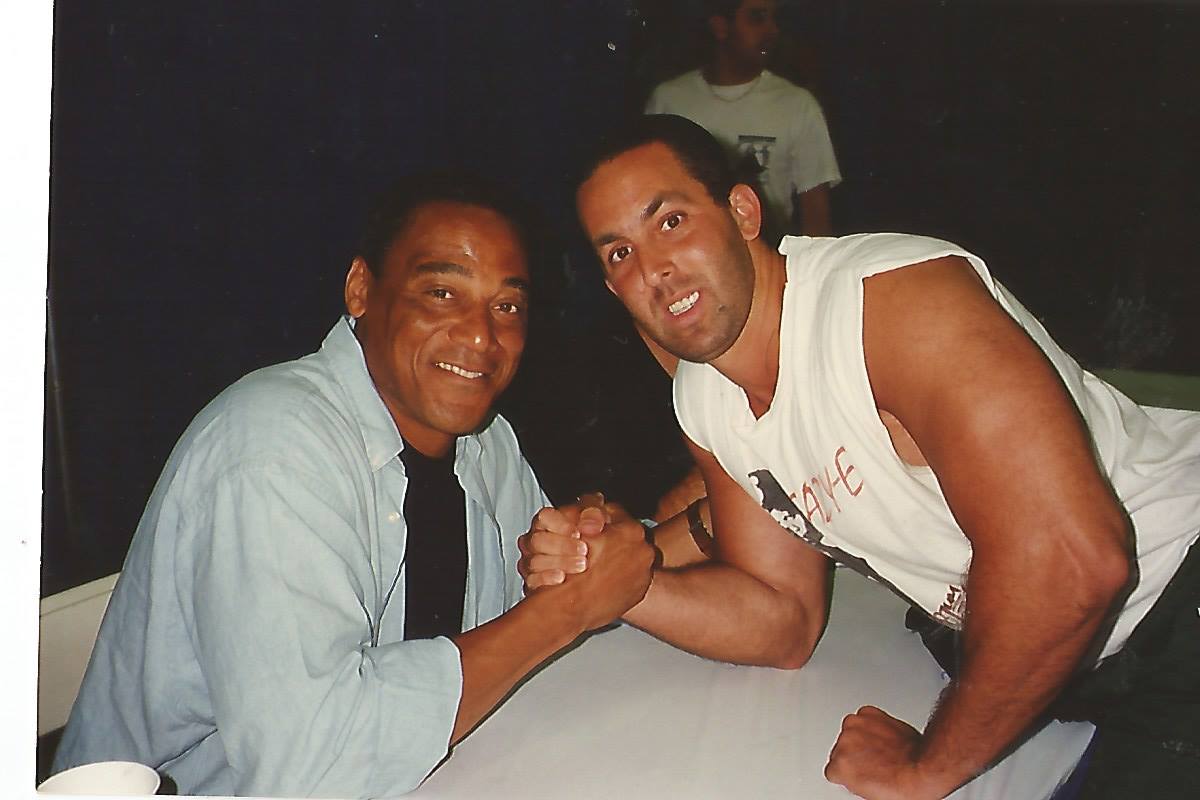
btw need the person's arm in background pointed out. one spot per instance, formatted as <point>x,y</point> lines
<point>814,170</point>
<point>816,216</point>
<point>762,599</point>
<point>1051,544</point>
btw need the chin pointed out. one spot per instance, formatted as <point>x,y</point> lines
<point>467,423</point>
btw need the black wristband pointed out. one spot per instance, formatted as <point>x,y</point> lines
<point>700,534</point>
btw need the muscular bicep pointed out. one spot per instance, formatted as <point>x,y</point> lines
<point>990,415</point>
<point>748,538</point>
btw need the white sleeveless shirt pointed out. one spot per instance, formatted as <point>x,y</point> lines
<point>822,463</point>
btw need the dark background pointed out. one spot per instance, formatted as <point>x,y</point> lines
<point>211,161</point>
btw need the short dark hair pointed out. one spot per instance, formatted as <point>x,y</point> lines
<point>701,155</point>
<point>392,210</point>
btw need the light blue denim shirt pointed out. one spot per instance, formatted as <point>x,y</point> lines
<point>254,641</point>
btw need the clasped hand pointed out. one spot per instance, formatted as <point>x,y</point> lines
<point>593,548</point>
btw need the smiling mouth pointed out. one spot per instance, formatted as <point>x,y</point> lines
<point>457,370</point>
<point>684,303</point>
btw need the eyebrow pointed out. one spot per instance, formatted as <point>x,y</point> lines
<point>442,268</point>
<point>451,268</point>
<point>649,211</point>
<point>520,284</point>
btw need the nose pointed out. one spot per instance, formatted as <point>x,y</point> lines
<point>474,329</point>
<point>656,267</point>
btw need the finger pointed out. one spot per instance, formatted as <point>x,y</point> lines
<point>592,521</point>
<point>571,565</point>
<point>553,519</point>
<point>539,580</point>
<point>834,768</point>
<point>832,771</point>
<point>593,516</point>
<point>616,511</point>
<point>591,500</point>
<point>549,543</point>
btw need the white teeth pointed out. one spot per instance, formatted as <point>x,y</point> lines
<point>684,303</point>
<point>465,373</point>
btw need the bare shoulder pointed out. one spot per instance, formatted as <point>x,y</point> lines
<point>933,328</point>
<point>983,403</point>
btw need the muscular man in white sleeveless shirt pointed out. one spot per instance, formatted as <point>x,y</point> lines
<point>881,399</point>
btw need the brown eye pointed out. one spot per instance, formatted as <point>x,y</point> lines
<point>619,254</point>
<point>672,222</point>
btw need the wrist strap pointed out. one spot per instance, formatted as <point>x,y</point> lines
<point>700,534</point>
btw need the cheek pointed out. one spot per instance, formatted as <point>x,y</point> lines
<point>512,340</point>
<point>627,284</point>
<point>410,336</point>
<point>515,342</point>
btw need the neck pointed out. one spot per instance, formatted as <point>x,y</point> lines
<point>443,451</point>
<point>753,360</point>
<point>429,443</point>
<point>724,70</point>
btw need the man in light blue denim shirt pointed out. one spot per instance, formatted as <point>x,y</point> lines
<point>255,642</point>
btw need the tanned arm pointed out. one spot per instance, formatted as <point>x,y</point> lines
<point>816,216</point>
<point>1050,542</point>
<point>762,599</point>
<point>498,654</point>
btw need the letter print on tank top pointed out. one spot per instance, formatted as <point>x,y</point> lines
<point>779,505</point>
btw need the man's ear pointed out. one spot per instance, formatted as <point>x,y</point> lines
<point>747,210</point>
<point>358,286</point>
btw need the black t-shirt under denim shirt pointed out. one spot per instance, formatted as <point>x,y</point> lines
<point>435,559</point>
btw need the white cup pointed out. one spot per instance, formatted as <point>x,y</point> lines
<point>111,778</point>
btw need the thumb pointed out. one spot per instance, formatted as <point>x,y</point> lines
<point>592,521</point>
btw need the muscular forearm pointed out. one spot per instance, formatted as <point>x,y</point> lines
<point>498,654</point>
<point>1019,653</point>
<point>719,612</point>
<point>677,543</point>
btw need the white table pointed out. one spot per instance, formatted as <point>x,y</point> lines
<point>626,716</point>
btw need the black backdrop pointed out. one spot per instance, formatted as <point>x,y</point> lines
<point>210,161</point>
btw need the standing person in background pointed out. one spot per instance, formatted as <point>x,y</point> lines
<point>773,132</point>
<point>758,115</point>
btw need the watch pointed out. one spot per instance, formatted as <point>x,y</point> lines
<point>700,534</point>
